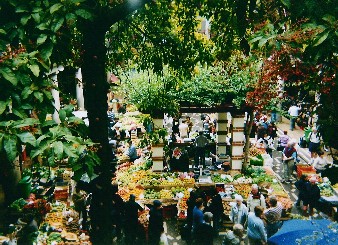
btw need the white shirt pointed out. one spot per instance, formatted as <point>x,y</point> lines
<point>183,128</point>
<point>319,163</point>
<point>294,111</point>
<point>314,137</point>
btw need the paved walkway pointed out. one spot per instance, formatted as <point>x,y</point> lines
<point>296,134</point>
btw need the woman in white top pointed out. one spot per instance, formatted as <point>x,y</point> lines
<point>320,163</point>
<point>314,142</point>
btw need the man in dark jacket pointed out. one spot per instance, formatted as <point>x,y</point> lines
<point>204,231</point>
<point>311,196</point>
<point>155,223</point>
<point>131,220</point>
<point>301,187</point>
<point>216,208</point>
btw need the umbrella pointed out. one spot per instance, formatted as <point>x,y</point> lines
<point>309,231</point>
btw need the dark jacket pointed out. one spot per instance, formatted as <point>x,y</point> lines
<point>312,193</point>
<point>301,187</point>
<point>131,213</point>
<point>216,206</point>
<point>204,234</point>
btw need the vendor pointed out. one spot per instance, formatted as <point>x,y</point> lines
<point>255,198</point>
<point>131,151</point>
<point>320,162</point>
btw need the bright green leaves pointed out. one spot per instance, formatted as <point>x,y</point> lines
<point>55,8</point>
<point>27,138</point>
<point>9,75</point>
<point>41,39</point>
<point>35,69</point>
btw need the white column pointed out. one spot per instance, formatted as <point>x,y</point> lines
<point>55,93</point>
<point>56,97</point>
<point>237,153</point>
<point>79,90</point>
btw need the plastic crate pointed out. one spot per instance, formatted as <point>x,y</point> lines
<point>305,170</point>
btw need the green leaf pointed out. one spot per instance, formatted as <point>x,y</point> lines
<point>35,69</point>
<point>27,106</point>
<point>2,31</point>
<point>1,140</point>
<point>46,50</point>
<point>322,37</point>
<point>21,9</point>
<point>27,137</point>
<point>20,113</point>
<point>24,19</point>
<point>40,139</point>
<point>330,19</point>
<point>62,115</point>
<point>41,39</point>
<point>42,26</point>
<point>3,105</point>
<point>26,92</point>
<point>69,153</point>
<point>58,149</point>
<point>55,8</point>
<point>25,122</point>
<point>57,25</point>
<point>8,75</point>
<point>38,96</point>
<point>84,14</point>
<point>36,17</point>
<point>10,147</point>
<point>286,3</point>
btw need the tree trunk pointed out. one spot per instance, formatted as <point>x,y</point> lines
<point>95,91</point>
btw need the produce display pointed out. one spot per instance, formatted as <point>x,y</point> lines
<point>325,189</point>
<point>285,201</point>
<point>243,190</point>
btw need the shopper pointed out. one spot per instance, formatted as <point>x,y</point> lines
<point>131,220</point>
<point>289,158</point>
<point>314,143</point>
<point>272,130</point>
<point>267,141</point>
<point>200,143</point>
<point>234,236</point>
<point>311,196</point>
<point>215,206</point>
<point>155,227</point>
<point>301,187</point>
<point>190,125</point>
<point>283,140</point>
<point>197,218</point>
<point>183,128</point>
<point>204,231</point>
<point>294,113</point>
<point>255,198</point>
<point>272,216</point>
<point>256,230</point>
<point>239,212</point>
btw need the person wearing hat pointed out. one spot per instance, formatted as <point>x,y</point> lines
<point>131,208</point>
<point>155,227</point>
<point>239,212</point>
<point>311,196</point>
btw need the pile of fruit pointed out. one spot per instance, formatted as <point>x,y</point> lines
<point>285,201</point>
<point>243,190</point>
<point>325,190</point>
<point>226,206</point>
